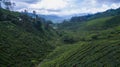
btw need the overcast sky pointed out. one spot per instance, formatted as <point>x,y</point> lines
<point>66,7</point>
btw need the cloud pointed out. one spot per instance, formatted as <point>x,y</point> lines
<point>50,4</point>
<point>109,1</point>
<point>66,7</point>
<point>27,1</point>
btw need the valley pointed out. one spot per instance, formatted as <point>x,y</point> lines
<point>83,41</point>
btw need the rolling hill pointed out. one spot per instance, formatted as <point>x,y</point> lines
<point>91,43</point>
<point>76,22</point>
<point>85,41</point>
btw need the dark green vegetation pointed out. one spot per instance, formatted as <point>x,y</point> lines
<point>91,42</point>
<point>24,41</point>
<point>87,41</point>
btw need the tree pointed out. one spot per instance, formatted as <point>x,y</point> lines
<point>34,15</point>
<point>25,11</point>
<point>49,24</point>
<point>9,5</point>
<point>0,3</point>
<point>12,6</point>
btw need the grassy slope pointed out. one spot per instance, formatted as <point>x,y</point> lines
<point>100,47</point>
<point>102,23</point>
<point>21,44</point>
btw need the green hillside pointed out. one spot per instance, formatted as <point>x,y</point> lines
<point>101,23</point>
<point>91,54</point>
<point>96,43</point>
<point>31,41</point>
<point>24,42</point>
<point>78,22</point>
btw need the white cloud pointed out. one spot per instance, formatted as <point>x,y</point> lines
<point>50,4</point>
<point>66,7</point>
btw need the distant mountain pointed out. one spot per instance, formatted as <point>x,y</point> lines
<point>110,12</point>
<point>59,19</point>
<point>53,18</point>
<point>76,21</point>
<point>56,18</point>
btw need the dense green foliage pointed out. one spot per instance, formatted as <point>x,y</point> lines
<point>87,41</point>
<point>91,43</point>
<point>24,41</point>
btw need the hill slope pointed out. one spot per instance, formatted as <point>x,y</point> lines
<point>27,41</point>
<point>77,21</point>
<point>98,43</point>
<point>24,42</point>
